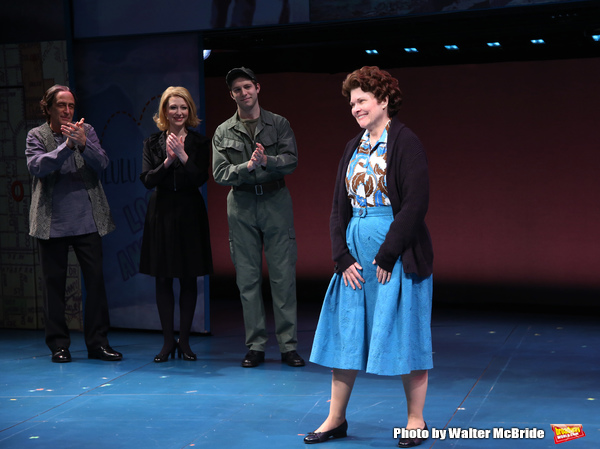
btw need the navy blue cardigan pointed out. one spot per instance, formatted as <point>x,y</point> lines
<point>408,191</point>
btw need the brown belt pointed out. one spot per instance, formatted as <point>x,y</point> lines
<point>261,189</point>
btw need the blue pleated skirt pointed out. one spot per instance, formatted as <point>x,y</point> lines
<point>381,329</point>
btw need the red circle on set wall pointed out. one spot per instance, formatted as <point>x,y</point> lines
<point>17,191</point>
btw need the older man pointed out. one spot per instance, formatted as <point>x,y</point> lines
<point>69,209</point>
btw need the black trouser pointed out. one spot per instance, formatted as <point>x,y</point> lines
<point>53,258</point>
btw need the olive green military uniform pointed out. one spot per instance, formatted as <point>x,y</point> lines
<point>259,213</point>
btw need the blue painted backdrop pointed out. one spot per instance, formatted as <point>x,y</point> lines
<point>119,84</point>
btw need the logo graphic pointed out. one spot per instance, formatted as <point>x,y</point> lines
<point>567,432</point>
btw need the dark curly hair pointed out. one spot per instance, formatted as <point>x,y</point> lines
<point>48,99</point>
<point>379,82</point>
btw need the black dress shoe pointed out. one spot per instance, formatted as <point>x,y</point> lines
<point>189,356</point>
<point>164,356</point>
<point>411,442</point>
<point>61,355</point>
<point>292,358</point>
<point>340,431</point>
<point>105,353</point>
<point>253,358</point>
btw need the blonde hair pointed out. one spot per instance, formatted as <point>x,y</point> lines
<point>176,91</point>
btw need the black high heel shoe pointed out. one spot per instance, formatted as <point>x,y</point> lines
<point>160,358</point>
<point>411,442</point>
<point>340,431</point>
<point>190,357</point>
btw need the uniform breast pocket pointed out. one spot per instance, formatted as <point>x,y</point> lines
<point>268,141</point>
<point>235,150</point>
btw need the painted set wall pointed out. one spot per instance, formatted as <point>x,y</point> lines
<point>119,85</point>
<point>26,71</point>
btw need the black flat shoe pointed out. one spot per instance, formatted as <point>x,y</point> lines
<point>411,442</point>
<point>340,431</point>
<point>61,355</point>
<point>292,358</point>
<point>253,358</point>
<point>189,356</point>
<point>105,353</point>
<point>164,357</point>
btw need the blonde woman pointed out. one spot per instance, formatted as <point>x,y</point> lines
<point>176,241</point>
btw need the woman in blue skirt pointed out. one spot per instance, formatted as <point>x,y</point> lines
<point>377,311</point>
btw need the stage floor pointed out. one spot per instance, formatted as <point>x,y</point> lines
<point>493,370</point>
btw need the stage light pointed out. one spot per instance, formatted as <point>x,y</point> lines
<point>372,52</point>
<point>411,50</point>
<point>596,37</point>
<point>206,53</point>
<point>451,47</point>
<point>537,41</point>
<point>494,44</point>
